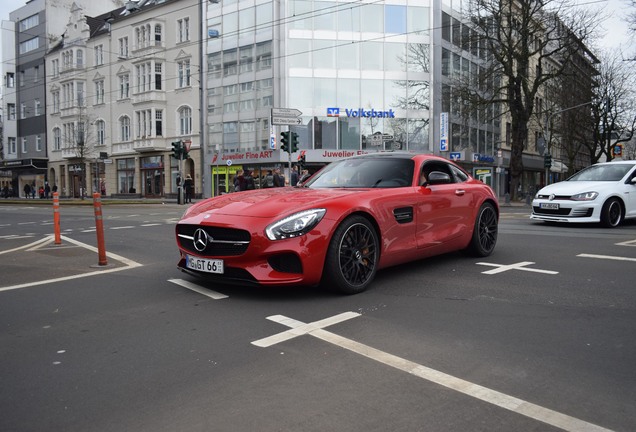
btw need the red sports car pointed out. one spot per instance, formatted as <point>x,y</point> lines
<point>347,221</point>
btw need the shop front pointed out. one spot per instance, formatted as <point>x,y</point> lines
<point>152,176</point>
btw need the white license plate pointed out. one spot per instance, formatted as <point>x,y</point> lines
<point>204,264</point>
<point>549,206</point>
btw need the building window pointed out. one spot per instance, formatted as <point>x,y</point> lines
<point>123,47</point>
<point>157,34</point>
<point>143,36</point>
<point>99,92</point>
<point>185,121</point>
<point>38,143</point>
<point>183,75</point>
<point>29,45</point>
<point>144,123</point>
<point>12,145</point>
<point>158,76</point>
<point>124,86</point>
<point>80,58</point>
<point>37,107</point>
<point>11,111</point>
<point>159,123</point>
<point>57,139</point>
<point>56,101</point>
<point>23,111</point>
<point>55,68</point>
<point>124,128</point>
<point>36,74</point>
<point>126,175</point>
<point>67,59</point>
<point>10,80</point>
<point>99,55</point>
<point>100,128</point>
<point>29,22</point>
<point>183,30</point>
<point>79,92</point>
<point>21,78</point>
<point>144,77</point>
<point>23,148</point>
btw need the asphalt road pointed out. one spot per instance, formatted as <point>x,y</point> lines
<point>540,336</point>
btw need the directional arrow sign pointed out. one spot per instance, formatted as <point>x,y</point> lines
<point>289,121</point>
<point>285,112</point>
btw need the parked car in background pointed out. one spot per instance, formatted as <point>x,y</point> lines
<point>350,219</point>
<point>602,193</point>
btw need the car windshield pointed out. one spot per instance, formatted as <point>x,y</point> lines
<point>365,173</point>
<point>605,172</point>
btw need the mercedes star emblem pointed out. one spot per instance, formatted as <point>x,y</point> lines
<point>200,240</point>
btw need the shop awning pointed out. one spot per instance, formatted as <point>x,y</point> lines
<point>558,167</point>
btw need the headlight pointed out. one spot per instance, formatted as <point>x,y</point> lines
<point>585,196</point>
<point>295,225</point>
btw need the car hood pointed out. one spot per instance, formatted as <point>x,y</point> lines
<point>268,203</point>
<point>573,187</point>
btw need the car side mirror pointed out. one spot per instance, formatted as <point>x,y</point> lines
<point>438,177</point>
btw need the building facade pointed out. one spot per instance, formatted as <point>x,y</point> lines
<point>25,41</point>
<point>123,87</point>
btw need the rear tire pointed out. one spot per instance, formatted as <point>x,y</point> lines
<point>612,213</point>
<point>485,232</point>
<point>352,257</point>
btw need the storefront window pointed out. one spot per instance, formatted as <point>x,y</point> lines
<point>152,175</point>
<point>126,175</point>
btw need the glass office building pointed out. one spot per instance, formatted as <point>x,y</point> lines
<point>361,73</point>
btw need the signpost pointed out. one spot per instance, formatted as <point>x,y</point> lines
<point>286,116</point>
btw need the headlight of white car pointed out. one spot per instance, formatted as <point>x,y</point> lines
<point>295,225</point>
<point>585,196</point>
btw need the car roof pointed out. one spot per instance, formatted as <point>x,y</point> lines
<point>398,155</point>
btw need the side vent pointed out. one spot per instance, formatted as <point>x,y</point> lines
<point>403,214</point>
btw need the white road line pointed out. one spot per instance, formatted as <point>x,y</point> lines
<point>15,236</point>
<point>477,391</point>
<point>150,224</point>
<point>607,257</point>
<point>196,288</point>
<point>128,264</point>
<point>625,243</point>
<point>517,266</point>
<point>25,223</point>
<point>122,227</point>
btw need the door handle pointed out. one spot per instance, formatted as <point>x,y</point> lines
<point>460,192</point>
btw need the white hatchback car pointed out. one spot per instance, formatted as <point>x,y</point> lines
<point>603,192</point>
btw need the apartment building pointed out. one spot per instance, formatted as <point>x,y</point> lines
<point>123,88</point>
<point>26,39</point>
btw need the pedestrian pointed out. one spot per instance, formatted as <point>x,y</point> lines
<point>249,180</point>
<point>41,192</point>
<point>188,184</point>
<point>294,177</point>
<point>279,180</point>
<point>5,191</point>
<point>304,175</point>
<point>33,190</point>
<point>47,190</point>
<point>239,181</point>
<point>268,181</point>
<point>27,190</point>
<point>54,188</point>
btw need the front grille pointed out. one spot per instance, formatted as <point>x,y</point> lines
<point>556,197</point>
<point>551,212</point>
<point>221,241</point>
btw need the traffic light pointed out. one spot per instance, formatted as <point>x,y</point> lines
<point>284,141</point>
<point>176,149</point>
<point>301,161</point>
<point>547,161</point>
<point>294,142</point>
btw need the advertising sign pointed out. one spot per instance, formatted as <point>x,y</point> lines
<point>443,132</point>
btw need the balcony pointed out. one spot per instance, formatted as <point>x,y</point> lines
<point>142,145</point>
<point>149,96</point>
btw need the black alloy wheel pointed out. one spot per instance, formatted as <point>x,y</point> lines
<point>485,231</point>
<point>352,257</point>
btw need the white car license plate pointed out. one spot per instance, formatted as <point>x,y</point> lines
<point>204,264</point>
<point>549,206</point>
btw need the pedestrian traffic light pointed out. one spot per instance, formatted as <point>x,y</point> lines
<point>284,141</point>
<point>547,161</point>
<point>294,142</point>
<point>302,161</point>
<point>176,149</point>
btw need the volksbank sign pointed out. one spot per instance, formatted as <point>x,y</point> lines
<point>360,112</point>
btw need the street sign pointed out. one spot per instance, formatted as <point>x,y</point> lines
<point>387,137</point>
<point>286,121</point>
<point>286,112</point>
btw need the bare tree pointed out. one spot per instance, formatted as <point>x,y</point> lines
<point>80,140</point>
<point>613,110</point>
<point>528,43</point>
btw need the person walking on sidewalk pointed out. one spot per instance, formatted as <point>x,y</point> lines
<point>27,190</point>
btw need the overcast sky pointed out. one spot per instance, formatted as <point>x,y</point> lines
<point>617,34</point>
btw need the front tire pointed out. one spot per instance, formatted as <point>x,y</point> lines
<point>612,213</point>
<point>352,257</point>
<point>485,232</point>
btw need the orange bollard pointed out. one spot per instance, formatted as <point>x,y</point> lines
<point>56,218</point>
<point>99,229</point>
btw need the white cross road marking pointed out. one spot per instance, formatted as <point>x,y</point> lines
<point>298,328</point>
<point>196,288</point>
<point>517,266</point>
<point>476,391</point>
<point>607,257</point>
